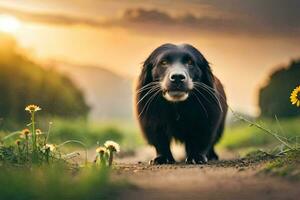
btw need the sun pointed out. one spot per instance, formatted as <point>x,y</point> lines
<point>9,24</point>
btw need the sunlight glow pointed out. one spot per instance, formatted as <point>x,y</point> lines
<point>9,24</point>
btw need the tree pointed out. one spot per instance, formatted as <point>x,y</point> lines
<point>274,96</point>
<point>24,82</point>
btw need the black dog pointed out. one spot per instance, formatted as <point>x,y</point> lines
<point>178,97</point>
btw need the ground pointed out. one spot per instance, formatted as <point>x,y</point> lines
<point>230,178</point>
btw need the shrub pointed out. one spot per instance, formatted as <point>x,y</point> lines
<point>274,97</point>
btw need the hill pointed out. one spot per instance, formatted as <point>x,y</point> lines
<point>108,94</point>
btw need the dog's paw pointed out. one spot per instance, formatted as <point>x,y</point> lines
<point>198,159</point>
<point>161,160</point>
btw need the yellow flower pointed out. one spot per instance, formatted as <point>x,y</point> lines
<point>32,108</point>
<point>112,146</point>
<point>18,142</point>
<point>25,133</point>
<point>101,150</point>
<point>295,96</point>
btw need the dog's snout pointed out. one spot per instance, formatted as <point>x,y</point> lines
<point>177,77</point>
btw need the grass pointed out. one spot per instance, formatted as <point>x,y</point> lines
<point>287,165</point>
<point>284,158</point>
<point>123,132</point>
<point>91,133</point>
<point>242,135</point>
<point>32,168</point>
<point>31,146</point>
<point>56,182</point>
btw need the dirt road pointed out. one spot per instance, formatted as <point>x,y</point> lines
<point>220,180</point>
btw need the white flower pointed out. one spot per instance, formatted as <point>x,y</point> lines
<point>51,147</point>
<point>101,150</point>
<point>32,108</point>
<point>112,146</point>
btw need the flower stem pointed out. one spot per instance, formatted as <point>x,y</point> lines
<point>19,152</point>
<point>34,146</point>
<point>111,158</point>
<point>48,133</point>
<point>26,147</point>
<point>267,131</point>
<point>102,159</point>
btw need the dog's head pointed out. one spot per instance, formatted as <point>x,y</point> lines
<point>176,68</point>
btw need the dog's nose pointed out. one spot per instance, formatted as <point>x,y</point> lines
<point>177,77</point>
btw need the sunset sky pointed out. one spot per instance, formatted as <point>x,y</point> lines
<point>244,40</point>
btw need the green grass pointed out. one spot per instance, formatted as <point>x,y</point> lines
<point>56,182</point>
<point>280,138</point>
<point>242,135</point>
<point>287,165</point>
<point>33,167</point>
<point>123,132</point>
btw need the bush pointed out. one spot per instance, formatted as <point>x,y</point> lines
<point>274,97</point>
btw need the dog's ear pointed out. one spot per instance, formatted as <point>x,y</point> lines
<point>145,75</point>
<point>202,63</point>
<point>208,77</point>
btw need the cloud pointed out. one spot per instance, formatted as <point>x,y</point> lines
<point>136,18</point>
<point>157,21</point>
<point>263,22</point>
<point>273,15</point>
<point>49,18</point>
<point>255,18</point>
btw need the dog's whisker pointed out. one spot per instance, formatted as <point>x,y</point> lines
<point>201,104</point>
<point>216,99</point>
<point>202,95</point>
<point>209,89</point>
<point>212,89</point>
<point>149,92</point>
<point>149,100</point>
<point>209,92</point>
<point>215,96</point>
<point>203,86</point>
<point>147,86</point>
<point>209,100</point>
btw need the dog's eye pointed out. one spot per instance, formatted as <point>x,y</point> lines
<point>189,62</point>
<point>164,62</point>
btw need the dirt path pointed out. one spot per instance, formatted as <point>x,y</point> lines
<point>209,182</point>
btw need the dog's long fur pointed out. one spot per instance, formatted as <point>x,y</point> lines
<point>198,122</point>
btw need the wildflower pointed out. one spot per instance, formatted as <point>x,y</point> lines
<point>25,133</point>
<point>32,108</point>
<point>101,150</point>
<point>18,142</point>
<point>112,146</point>
<point>102,155</point>
<point>295,96</point>
<point>51,147</point>
<point>38,132</point>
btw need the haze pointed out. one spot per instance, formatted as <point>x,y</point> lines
<point>243,40</point>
